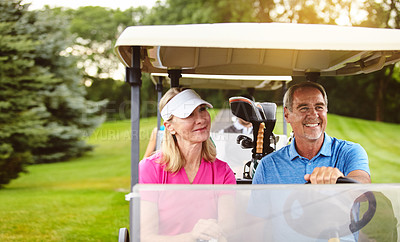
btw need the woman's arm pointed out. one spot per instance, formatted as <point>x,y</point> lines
<point>226,215</point>
<point>151,146</point>
<point>205,229</point>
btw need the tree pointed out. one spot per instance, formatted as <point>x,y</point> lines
<point>202,11</point>
<point>43,113</point>
<point>384,15</point>
<point>22,113</point>
<point>96,30</point>
<point>381,87</point>
<point>72,117</point>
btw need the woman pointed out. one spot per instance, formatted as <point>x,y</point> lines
<point>187,156</point>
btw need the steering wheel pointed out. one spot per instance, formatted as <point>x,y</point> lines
<point>341,180</point>
<point>328,210</point>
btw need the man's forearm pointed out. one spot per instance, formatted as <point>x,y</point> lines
<point>360,176</point>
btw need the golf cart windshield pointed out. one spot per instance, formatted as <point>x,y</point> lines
<point>303,212</point>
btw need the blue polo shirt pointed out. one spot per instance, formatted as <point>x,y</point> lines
<point>286,166</point>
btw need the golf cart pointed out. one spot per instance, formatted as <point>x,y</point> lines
<point>262,49</point>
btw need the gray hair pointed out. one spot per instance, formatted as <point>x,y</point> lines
<point>288,98</point>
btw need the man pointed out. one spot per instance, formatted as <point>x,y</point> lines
<point>313,155</point>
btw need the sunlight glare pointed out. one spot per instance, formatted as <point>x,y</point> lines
<point>357,15</point>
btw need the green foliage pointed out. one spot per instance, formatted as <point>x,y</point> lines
<point>379,99</point>
<point>203,11</point>
<point>22,113</point>
<point>346,99</point>
<point>148,97</point>
<point>72,117</point>
<point>43,113</point>
<point>117,94</point>
<point>223,11</point>
<point>383,14</point>
<point>97,29</point>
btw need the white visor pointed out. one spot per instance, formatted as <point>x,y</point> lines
<point>182,105</point>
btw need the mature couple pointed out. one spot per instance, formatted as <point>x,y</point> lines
<point>188,156</point>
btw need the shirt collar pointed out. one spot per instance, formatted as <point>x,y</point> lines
<point>325,149</point>
<point>292,151</point>
<point>326,146</point>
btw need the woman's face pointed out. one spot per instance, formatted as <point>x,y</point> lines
<point>193,129</point>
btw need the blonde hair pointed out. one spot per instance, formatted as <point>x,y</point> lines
<point>171,156</point>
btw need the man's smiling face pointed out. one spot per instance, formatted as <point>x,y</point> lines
<point>308,117</point>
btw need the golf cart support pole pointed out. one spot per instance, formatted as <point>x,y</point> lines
<point>133,77</point>
<point>284,89</point>
<point>312,76</point>
<point>159,88</point>
<point>174,75</point>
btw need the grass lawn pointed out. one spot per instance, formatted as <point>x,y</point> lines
<point>78,200</point>
<point>83,199</point>
<point>380,140</point>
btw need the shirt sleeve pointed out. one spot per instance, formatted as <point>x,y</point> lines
<point>148,175</point>
<point>356,158</point>
<point>147,172</point>
<point>258,175</point>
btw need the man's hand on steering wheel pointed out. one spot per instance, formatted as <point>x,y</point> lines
<point>324,175</point>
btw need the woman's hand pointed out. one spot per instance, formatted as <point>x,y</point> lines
<point>206,229</point>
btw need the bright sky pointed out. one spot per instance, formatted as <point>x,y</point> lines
<point>122,4</point>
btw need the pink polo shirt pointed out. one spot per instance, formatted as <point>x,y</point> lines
<point>217,172</point>
<point>180,210</point>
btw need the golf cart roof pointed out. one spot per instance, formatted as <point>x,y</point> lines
<point>231,82</point>
<point>269,49</point>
